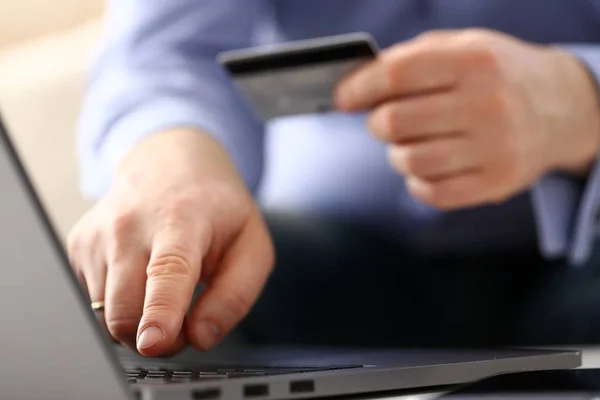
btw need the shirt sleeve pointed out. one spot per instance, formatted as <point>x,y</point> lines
<point>157,69</point>
<point>566,209</point>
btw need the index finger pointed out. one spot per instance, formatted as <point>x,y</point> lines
<point>404,70</point>
<point>172,275</point>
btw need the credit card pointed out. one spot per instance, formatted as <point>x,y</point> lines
<point>297,77</point>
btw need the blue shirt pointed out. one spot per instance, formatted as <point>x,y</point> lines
<point>157,70</point>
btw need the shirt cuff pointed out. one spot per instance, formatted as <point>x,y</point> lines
<point>566,210</point>
<point>153,117</point>
<point>555,201</point>
<point>586,221</point>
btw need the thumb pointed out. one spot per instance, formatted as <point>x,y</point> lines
<point>173,272</point>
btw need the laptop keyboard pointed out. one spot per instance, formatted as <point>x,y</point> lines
<point>162,375</point>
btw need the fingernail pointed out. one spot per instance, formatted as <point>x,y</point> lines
<point>208,333</point>
<point>150,336</point>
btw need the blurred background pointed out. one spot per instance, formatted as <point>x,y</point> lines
<point>45,51</point>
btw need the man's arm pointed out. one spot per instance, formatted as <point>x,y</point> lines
<point>157,71</point>
<point>567,207</point>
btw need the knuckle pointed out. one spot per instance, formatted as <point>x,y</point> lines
<point>389,72</point>
<point>418,191</point>
<point>385,122</point>
<point>81,245</point>
<point>395,159</point>
<point>407,161</point>
<point>74,244</point>
<point>474,37</point>
<point>484,59</point>
<point>390,118</point>
<point>374,125</point>
<point>433,195</point>
<point>121,224</point>
<point>170,264</point>
<point>410,162</point>
<point>162,302</point>
<point>237,304</point>
<point>76,239</point>
<point>478,53</point>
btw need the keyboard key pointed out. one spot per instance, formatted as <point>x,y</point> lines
<point>156,379</point>
<point>180,374</point>
<point>206,377</point>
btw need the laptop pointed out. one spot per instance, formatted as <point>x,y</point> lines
<point>53,348</point>
<point>572,384</point>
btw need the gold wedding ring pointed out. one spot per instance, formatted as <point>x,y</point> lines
<point>97,305</point>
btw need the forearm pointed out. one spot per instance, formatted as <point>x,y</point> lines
<point>156,72</point>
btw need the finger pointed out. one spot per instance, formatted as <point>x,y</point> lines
<point>125,288</point>
<point>418,117</point>
<point>405,70</point>
<point>435,158</point>
<point>85,247</point>
<point>461,191</point>
<point>88,260</point>
<point>83,251</point>
<point>95,279</point>
<point>172,275</point>
<point>76,262</point>
<point>234,287</point>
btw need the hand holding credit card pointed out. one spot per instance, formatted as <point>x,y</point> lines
<point>297,77</point>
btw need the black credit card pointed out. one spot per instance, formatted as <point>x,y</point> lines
<point>296,77</point>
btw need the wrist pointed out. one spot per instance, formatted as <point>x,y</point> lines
<point>176,152</point>
<point>579,136</point>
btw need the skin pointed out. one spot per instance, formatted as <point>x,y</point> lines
<point>470,117</point>
<point>173,218</point>
<point>474,116</point>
